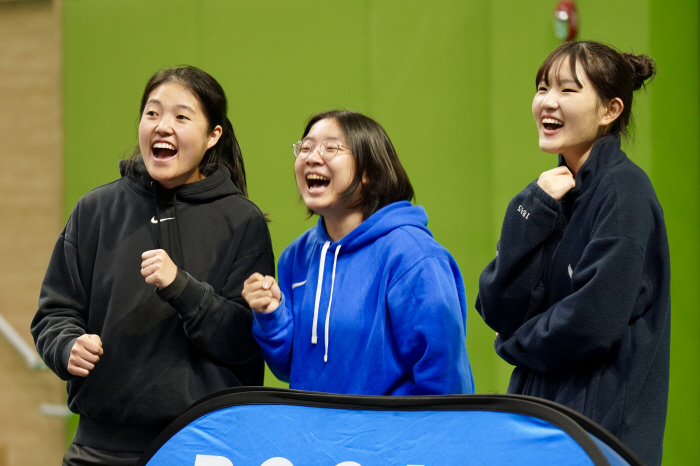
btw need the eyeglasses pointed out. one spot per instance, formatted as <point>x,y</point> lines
<point>327,149</point>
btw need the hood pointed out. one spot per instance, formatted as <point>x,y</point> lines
<point>393,216</point>
<point>214,186</point>
<point>388,218</point>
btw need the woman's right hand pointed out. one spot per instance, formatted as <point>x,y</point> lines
<point>262,293</point>
<point>557,182</point>
<point>84,354</point>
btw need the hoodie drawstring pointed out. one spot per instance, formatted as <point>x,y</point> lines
<point>314,336</point>
<point>330,300</point>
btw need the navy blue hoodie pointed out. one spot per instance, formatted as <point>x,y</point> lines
<point>163,349</point>
<point>579,293</point>
<point>381,311</point>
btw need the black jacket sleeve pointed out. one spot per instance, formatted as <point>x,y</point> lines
<point>510,287</point>
<point>220,324</point>
<point>63,305</point>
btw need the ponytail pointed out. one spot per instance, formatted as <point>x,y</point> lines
<point>226,152</point>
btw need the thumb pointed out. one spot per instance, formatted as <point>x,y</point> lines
<point>98,341</point>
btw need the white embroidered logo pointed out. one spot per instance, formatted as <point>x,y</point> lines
<point>153,219</point>
<point>571,272</point>
<point>294,285</point>
<point>523,212</point>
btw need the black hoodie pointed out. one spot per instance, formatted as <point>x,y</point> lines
<point>579,294</point>
<point>162,349</point>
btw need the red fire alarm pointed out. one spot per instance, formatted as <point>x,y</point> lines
<point>565,20</point>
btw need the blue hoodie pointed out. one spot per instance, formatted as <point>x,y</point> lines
<point>380,312</point>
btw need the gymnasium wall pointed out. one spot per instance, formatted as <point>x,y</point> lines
<point>451,82</point>
<point>31,184</point>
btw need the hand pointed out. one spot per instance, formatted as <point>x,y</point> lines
<point>557,182</point>
<point>158,268</point>
<point>84,354</point>
<point>262,293</point>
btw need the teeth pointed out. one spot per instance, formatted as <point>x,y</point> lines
<point>552,121</point>
<point>163,145</point>
<point>313,176</point>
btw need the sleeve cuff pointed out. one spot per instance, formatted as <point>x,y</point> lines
<point>184,294</point>
<point>541,195</point>
<point>270,322</point>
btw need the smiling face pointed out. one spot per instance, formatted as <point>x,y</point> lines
<point>174,135</point>
<point>570,118</point>
<point>321,183</point>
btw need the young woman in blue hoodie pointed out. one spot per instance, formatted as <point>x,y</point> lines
<point>367,302</point>
<point>141,310</point>
<point>579,288</point>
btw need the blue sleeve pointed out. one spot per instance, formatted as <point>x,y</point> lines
<point>510,287</point>
<point>274,331</point>
<point>427,307</point>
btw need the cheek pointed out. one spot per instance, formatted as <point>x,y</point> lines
<point>144,137</point>
<point>299,174</point>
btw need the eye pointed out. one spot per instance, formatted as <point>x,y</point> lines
<point>541,89</point>
<point>566,89</point>
<point>150,113</point>
<point>182,117</point>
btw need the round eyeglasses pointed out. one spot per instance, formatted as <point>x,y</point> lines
<point>327,149</point>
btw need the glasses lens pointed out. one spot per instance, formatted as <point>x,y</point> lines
<point>329,148</point>
<point>303,148</point>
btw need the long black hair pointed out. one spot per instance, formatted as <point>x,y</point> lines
<point>212,99</point>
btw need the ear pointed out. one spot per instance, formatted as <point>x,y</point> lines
<point>365,179</point>
<point>613,109</point>
<point>214,136</point>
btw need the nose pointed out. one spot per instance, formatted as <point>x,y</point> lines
<point>164,126</point>
<point>549,101</point>
<point>315,156</point>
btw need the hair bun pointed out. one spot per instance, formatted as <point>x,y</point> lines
<point>643,68</point>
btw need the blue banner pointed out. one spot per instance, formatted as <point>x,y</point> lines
<point>293,432</point>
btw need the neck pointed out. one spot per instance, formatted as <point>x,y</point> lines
<point>339,226</point>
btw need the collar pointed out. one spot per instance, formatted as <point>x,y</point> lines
<point>606,153</point>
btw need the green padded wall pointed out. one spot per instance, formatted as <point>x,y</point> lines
<point>451,82</point>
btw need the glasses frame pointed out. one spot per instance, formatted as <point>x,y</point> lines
<point>322,148</point>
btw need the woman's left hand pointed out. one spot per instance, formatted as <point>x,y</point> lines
<point>158,268</point>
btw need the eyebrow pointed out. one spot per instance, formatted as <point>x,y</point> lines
<point>178,106</point>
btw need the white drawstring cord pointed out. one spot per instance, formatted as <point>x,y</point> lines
<point>330,300</point>
<point>314,337</point>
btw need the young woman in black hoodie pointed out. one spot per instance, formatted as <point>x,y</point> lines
<point>579,288</point>
<point>141,309</point>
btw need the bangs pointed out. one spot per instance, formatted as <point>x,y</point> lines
<point>571,50</point>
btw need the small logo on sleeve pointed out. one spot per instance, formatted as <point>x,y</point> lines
<point>523,212</point>
<point>571,272</point>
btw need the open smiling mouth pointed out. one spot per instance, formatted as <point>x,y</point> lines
<point>315,183</point>
<point>163,150</point>
<point>552,124</point>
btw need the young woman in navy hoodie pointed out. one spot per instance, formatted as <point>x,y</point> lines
<point>579,288</point>
<point>367,302</point>
<point>141,309</point>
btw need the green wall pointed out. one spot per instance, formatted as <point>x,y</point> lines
<point>451,82</point>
